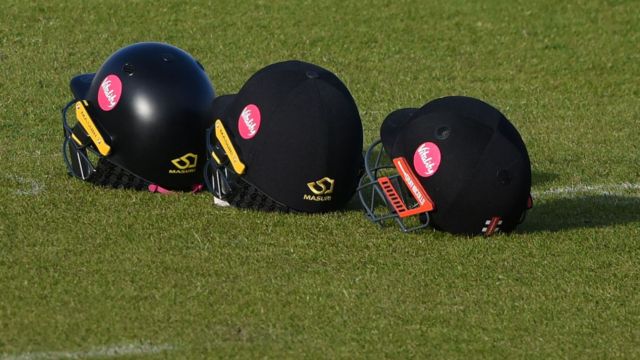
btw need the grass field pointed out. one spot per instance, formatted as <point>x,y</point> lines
<point>95,273</point>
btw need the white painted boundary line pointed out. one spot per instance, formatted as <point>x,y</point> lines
<point>602,189</point>
<point>111,351</point>
<point>33,187</point>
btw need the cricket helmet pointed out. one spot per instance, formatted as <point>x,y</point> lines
<point>141,120</point>
<point>456,164</point>
<point>289,140</point>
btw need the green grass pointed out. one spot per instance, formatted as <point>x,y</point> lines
<point>82,267</point>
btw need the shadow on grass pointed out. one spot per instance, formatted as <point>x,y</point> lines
<point>589,211</point>
<point>559,214</point>
<point>565,213</point>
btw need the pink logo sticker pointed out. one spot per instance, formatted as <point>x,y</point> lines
<point>109,92</point>
<point>426,159</point>
<point>249,121</point>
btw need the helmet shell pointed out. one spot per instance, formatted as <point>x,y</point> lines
<point>468,157</point>
<point>153,101</point>
<point>304,149</point>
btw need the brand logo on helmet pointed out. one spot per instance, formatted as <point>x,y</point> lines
<point>185,164</point>
<point>321,189</point>
<point>249,121</point>
<point>411,183</point>
<point>109,92</point>
<point>426,159</point>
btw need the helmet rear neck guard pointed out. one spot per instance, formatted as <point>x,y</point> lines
<point>389,191</point>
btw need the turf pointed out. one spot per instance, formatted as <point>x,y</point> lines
<point>82,267</point>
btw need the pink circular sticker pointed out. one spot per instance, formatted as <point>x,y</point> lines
<point>109,92</point>
<point>426,159</point>
<point>249,121</point>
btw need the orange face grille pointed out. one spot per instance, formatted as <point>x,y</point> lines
<point>415,188</point>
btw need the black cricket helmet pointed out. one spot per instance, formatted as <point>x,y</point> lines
<point>456,163</point>
<point>289,140</point>
<point>141,120</point>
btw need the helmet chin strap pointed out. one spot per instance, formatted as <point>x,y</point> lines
<point>160,190</point>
